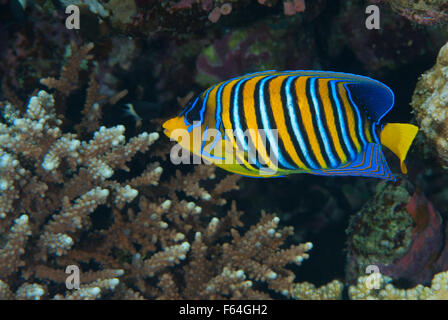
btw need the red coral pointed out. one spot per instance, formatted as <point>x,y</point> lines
<point>427,254</point>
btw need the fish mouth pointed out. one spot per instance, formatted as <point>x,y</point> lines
<point>167,127</point>
<point>167,132</point>
<point>172,124</point>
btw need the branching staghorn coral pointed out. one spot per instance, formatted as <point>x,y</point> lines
<point>171,238</point>
<point>68,80</point>
<point>213,269</point>
<point>54,183</point>
<point>51,181</point>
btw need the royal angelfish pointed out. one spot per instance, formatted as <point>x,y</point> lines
<point>272,123</point>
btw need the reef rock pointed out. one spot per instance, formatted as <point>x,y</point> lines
<point>400,235</point>
<point>430,104</point>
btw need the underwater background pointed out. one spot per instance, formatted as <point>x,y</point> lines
<point>86,178</point>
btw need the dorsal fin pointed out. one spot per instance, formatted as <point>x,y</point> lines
<point>373,97</point>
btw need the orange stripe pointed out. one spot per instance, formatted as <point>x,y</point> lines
<point>225,116</point>
<point>367,128</point>
<point>209,117</point>
<point>349,115</point>
<point>331,122</point>
<point>277,107</point>
<point>226,93</point>
<point>307,120</point>
<point>251,121</point>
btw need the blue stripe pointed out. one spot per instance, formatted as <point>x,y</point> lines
<point>320,126</point>
<point>204,103</point>
<point>218,111</point>
<point>238,130</point>
<point>294,124</point>
<point>358,115</point>
<point>191,108</point>
<point>204,139</point>
<point>219,105</point>
<point>374,133</point>
<point>386,167</point>
<point>342,76</point>
<point>374,165</point>
<point>204,136</point>
<point>201,112</point>
<point>267,126</point>
<point>236,117</point>
<point>341,120</point>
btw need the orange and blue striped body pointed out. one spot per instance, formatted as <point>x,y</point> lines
<point>316,122</point>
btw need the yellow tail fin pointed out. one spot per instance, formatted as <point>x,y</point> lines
<point>398,137</point>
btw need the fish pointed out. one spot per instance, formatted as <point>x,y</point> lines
<point>277,123</point>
